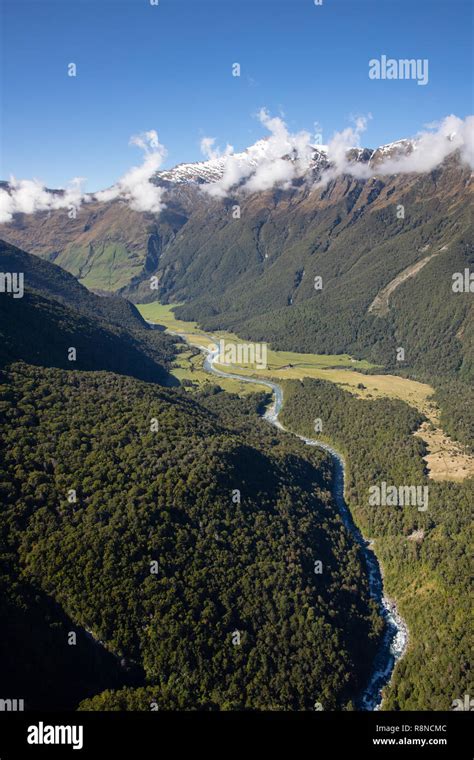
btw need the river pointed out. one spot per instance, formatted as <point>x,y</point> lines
<point>395,638</point>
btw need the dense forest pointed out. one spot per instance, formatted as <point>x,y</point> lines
<point>173,534</point>
<point>456,401</point>
<point>432,324</point>
<point>255,277</point>
<point>56,313</point>
<point>425,556</point>
<point>182,533</point>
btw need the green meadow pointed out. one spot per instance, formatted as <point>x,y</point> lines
<point>340,369</point>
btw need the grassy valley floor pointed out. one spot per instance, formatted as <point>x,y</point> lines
<point>445,459</point>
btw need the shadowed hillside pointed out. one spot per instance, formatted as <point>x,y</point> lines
<point>56,313</point>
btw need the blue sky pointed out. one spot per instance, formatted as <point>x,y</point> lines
<point>141,67</point>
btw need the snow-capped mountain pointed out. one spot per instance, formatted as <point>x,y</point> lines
<point>113,247</point>
<point>202,171</point>
<point>391,150</point>
<point>212,170</point>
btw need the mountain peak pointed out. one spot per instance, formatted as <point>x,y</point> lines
<point>212,170</point>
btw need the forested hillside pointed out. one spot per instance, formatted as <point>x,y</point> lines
<point>425,556</point>
<point>260,283</point>
<point>56,283</point>
<point>121,517</point>
<point>56,313</point>
<point>202,601</point>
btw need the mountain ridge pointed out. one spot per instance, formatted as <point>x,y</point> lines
<point>257,267</point>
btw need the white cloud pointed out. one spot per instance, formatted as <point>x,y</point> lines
<point>337,150</point>
<point>146,140</point>
<point>264,164</point>
<point>430,148</point>
<point>235,170</point>
<point>30,196</point>
<point>135,186</point>
<point>273,168</point>
<point>210,152</point>
<point>433,146</point>
<point>274,161</point>
<point>27,196</point>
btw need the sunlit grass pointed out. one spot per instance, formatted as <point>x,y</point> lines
<point>340,369</point>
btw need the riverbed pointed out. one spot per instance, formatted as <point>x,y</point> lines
<point>394,641</point>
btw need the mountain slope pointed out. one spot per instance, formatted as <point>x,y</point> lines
<point>423,554</point>
<point>104,476</point>
<point>256,274</point>
<point>56,314</point>
<point>214,598</point>
<point>58,284</point>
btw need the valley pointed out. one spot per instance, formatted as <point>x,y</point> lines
<point>378,438</point>
<point>236,376</point>
<point>140,296</point>
<point>394,641</point>
<point>446,459</point>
